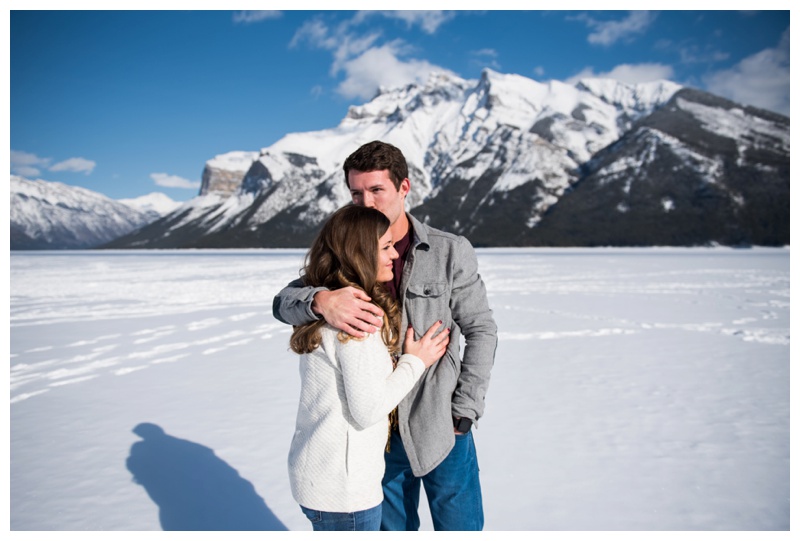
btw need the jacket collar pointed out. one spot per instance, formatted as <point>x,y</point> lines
<point>420,233</point>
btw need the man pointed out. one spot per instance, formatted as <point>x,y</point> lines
<point>435,279</point>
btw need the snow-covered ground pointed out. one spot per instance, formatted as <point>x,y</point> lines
<point>641,389</point>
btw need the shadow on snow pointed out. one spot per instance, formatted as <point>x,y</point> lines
<point>193,488</point>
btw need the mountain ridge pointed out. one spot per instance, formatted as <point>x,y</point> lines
<point>52,215</point>
<point>538,134</point>
<point>509,161</point>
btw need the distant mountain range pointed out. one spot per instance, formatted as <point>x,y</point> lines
<point>50,215</point>
<point>509,161</point>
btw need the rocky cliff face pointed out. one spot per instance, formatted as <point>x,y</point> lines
<point>223,174</point>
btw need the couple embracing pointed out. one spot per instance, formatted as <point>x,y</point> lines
<point>388,400</point>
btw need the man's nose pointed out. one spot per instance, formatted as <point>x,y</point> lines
<point>369,201</point>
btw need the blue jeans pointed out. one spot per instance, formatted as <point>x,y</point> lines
<point>325,521</point>
<point>453,489</point>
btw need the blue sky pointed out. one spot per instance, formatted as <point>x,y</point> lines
<point>130,102</point>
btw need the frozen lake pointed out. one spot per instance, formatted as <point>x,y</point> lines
<point>633,389</point>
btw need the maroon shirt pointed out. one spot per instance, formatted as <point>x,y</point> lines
<point>402,246</point>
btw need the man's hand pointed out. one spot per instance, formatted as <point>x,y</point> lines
<point>349,310</point>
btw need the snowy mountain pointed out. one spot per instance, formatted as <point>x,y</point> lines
<point>155,204</point>
<point>494,159</point>
<point>51,215</point>
<point>699,170</point>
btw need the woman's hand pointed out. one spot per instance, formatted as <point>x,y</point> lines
<point>430,347</point>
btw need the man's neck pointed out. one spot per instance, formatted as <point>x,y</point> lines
<point>400,227</point>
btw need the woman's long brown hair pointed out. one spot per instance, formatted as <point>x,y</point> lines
<point>345,253</point>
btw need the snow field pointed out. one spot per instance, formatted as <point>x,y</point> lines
<point>632,390</point>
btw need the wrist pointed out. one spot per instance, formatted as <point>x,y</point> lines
<point>318,301</point>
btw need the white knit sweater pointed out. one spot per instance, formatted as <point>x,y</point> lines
<point>336,460</point>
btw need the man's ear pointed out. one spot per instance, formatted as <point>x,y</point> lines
<point>405,187</point>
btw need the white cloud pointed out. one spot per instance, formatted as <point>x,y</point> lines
<point>690,55</point>
<point>31,165</point>
<point>344,44</point>
<point>428,21</point>
<point>761,79</point>
<point>609,32</point>
<point>173,181</point>
<point>380,66</point>
<point>316,32</point>
<point>485,52</point>
<point>76,165</point>
<point>366,65</point>
<point>628,73</point>
<point>27,164</point>
<point>248,17</point>
<point>25,171</point>
<point>350,47</point>
<point>485,58</point>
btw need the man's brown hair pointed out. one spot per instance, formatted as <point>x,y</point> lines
<point>377,156</point>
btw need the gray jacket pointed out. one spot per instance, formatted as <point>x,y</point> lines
<point>440,281</point>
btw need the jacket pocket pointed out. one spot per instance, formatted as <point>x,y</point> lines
<point>426,303</point>
<point>428,289</point>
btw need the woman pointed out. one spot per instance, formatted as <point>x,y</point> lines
<point>349,386</point>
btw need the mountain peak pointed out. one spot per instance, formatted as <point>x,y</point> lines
<point>156,204</point>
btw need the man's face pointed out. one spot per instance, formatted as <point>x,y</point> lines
<point>374,189</point>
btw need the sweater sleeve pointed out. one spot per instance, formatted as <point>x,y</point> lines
<point>371,394</point>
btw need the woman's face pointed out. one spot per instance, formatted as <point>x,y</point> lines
<point>386,255</point>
